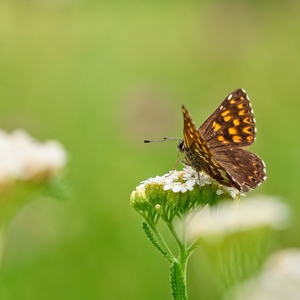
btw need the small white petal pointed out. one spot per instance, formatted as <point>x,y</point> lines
<point>232,194</point>
<point>183,189</point>
<point>220,192</point>
<point>176,188</point>
<point>167,187</point>
<point>168,180</point>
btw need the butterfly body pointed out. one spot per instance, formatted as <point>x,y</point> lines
<point>217,146</point>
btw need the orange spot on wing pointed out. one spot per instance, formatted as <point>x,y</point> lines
<point>216,126</point>
<point>227,118</point>
<point>222,139</point>
<point>205,150</point>
<point>236,138</point>
<point>232,130</point>
<point>252,178</point>
<point>247,120</point>
<point>249,138</point>
<point>242,112</point>
<point>248,129</point>
<point>236,122</point>
<point>225,113</point>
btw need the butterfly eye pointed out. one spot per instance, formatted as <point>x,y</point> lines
<point>180,146</point>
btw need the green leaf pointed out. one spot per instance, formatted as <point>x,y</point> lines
<point>151,236</point>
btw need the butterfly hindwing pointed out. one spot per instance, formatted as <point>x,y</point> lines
<point>245,168</point>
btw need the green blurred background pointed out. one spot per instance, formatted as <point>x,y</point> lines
<point>100,76</point>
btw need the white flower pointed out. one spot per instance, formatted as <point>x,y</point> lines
<point>233,217</point>
<point>279,279</point>
<point>24,158</point>
<point>177,181</point>
<point>182,181</point>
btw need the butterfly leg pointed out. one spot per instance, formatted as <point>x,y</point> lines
<point>199,177</point>
<point>174,169</point>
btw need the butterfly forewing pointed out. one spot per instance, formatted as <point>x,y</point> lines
<point>232,124</point>
<point>216,147</point>
<point>191,134</point>
<point>199,156</point>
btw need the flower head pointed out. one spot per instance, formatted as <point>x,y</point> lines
<point>24,158</point>
<point>179,192</point>
<point>27,168</point>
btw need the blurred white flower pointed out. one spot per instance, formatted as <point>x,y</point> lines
<point>279,279</point>
<point>24,158</point>
<point>231,217</point>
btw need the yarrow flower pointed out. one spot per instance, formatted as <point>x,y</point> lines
<point>181,191</point>
<point>24,158</point>
<point>181,181</point>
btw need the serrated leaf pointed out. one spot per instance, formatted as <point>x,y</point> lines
<point>153,240</point>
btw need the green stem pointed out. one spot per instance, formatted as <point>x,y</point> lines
<point>178,283</point>
<point>2,240</point>
<point>175,235</point>
<point>179,275</point>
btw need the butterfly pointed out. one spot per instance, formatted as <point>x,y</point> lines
<point>217,146</point>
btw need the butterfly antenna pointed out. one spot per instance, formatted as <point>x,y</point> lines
<point>165,139</point>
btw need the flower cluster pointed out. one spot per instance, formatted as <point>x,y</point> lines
<point>182,181</point>
<point>179,192</point>
<point>24,158</point>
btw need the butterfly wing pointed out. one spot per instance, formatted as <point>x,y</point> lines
<point>232,124</point>
<point>194,148</point>
<point>199,156</point>
<point>245,168</point>
<point>190,133</point>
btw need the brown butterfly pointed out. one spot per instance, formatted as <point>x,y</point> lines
<point>217,146</point>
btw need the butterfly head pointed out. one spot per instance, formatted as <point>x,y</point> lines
<point>180,146</point>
